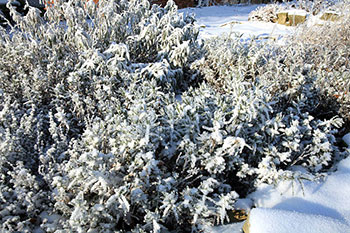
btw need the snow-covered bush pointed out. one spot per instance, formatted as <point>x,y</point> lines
<point>62,72</point>
<point>267,13</point>
<point>315,6</point>
<point>327,56</point>
<point>295,95</point>
<point>311,68</point>
<point>113,118</point>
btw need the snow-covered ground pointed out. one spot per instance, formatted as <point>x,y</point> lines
<point>317,207</point>
<point>216,20</point>
<point>322,207</point>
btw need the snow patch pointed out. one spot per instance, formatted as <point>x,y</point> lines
<point>294,12</point>
<point>267,220</point>
<point>307,207</point>
<point>217,20</point>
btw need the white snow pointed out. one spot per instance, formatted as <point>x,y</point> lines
<point>216,20</point>
<point>309,207</point>
<point>269,220</point>
<point>322,207</point>
<point>332,12</point>
<point>295,12</point>
<point>325,204</point>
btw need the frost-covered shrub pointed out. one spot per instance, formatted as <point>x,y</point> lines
<point>285,74</point>
<point>327,56</point>
<point>315,6</point>
<point>311,71</point>
<point>113,118</point>
<point>267,13</point>
<point>294,86</point>
<point>61,71</point>
<point>184,163</point>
